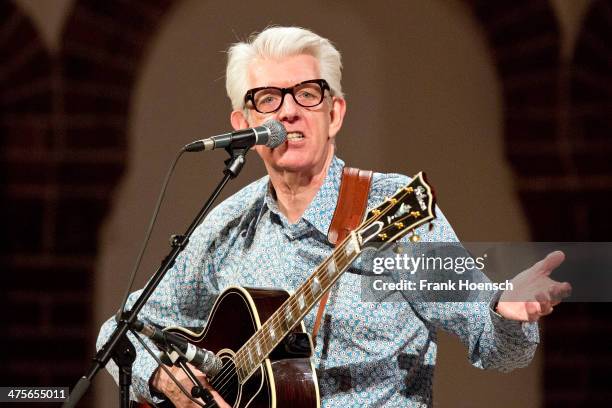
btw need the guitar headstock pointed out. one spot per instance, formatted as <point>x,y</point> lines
<point>410,207</point>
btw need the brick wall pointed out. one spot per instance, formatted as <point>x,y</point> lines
<point>579,355</point>
<point>63,141</point>
<point>558,137</point>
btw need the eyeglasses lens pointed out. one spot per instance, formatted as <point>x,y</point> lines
<point>270,99</point>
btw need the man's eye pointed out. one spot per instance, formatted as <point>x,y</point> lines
<point>267,99</point>
<point>306,95</point>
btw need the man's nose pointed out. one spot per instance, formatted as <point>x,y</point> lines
<point>289,110</point>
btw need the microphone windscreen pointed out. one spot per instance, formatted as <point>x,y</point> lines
<point>278,133</point>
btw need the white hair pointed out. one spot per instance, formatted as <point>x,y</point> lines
<point>277,43</point>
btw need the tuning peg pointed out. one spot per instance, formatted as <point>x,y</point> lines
<point>414,237</point>
<point>399,225</point>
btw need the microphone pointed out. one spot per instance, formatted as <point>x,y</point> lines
<point>204,360</point>
<point>272,133</point>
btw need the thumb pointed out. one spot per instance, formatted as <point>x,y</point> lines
<point>552,261</point>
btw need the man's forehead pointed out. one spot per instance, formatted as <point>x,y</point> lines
<point>282,72</point>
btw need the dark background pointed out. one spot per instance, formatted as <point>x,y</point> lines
<point>64,148</point>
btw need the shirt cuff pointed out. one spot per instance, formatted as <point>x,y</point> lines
<point>143,374</point>
<point>513,328</point>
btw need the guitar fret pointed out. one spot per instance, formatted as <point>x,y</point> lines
<point>348,249</point>
<point>309,295</point>
<point>288,316</point>
<point>301,302</point>
<point>272,333</point>
<point>315,286</point>
<point>331,268</point>
<point>351,248</point>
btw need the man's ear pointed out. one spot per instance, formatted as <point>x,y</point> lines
<point>336,116</point>
<point>238,120</point>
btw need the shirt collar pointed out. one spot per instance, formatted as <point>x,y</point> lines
<point>321,210</point>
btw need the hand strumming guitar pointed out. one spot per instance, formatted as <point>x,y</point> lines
<point>164,384</point>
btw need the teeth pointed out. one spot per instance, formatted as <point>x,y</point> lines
<point>294,135</point>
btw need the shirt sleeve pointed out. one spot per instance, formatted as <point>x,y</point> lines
<point>183,298</point>
<point>493,342</point>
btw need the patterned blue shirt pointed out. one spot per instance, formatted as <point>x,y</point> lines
<point>368,354</point>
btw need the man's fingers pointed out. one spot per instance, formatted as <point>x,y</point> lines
<point>552,260</point>
<point>542,297</point>
<point>546,309</point>
<point>546,306</point>
<point>560,291</point>
<point>533,311</point>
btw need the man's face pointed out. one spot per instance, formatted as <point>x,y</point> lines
<point>310,130</point>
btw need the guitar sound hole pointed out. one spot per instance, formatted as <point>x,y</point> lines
<point>226,381</point>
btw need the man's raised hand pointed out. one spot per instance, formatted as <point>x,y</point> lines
<point>534,293</point>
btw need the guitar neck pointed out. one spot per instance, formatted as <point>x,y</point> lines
<point>250,356</point>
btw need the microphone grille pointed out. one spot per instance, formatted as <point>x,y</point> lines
<point>278,133</point>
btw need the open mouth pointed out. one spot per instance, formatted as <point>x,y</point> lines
<point>295,135</point>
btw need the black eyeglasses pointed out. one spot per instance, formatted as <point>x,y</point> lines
<point>269,99</point>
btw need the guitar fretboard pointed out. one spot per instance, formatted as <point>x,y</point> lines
<point>292,311</point>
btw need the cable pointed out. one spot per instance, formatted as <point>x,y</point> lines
<point>160,200</point>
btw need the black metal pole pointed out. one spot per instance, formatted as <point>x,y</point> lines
<point>119,339</point>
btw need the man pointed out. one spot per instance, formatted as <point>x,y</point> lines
<point>273,233</point>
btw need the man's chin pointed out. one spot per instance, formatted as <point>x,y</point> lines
<point>292,166</point>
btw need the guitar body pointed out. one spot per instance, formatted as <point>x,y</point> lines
<point>286,377</point>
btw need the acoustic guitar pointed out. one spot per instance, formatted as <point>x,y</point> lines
<point>259,334</point>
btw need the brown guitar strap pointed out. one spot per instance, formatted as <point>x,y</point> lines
<point>350,209</point>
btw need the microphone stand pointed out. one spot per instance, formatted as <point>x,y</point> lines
<point>118,346</point>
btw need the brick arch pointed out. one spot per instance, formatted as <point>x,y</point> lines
<point>584,353</point>
<point>26,140</point>
<point>26,127</point>
<point>103,45</point>
<point>524,40</point>
<point>557,138</point>
<point>63,135</point>
<point>590,118</point>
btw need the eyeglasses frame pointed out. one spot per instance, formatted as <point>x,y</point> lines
<point>250,94</point>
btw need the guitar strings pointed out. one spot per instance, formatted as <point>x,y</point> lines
<point>240,360</point>
<point>278,319</point>
<point>227,374</point>
<point>225,379</point>
<point>275,321</point>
